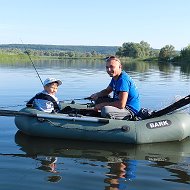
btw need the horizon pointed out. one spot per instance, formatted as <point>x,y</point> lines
<point>76,45</point>
<point>60,45</point>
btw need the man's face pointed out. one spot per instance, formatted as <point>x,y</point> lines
<point>113,68</point>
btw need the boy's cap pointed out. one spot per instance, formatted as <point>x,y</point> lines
<point>51,80</point>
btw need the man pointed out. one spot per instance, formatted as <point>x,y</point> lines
<point>125,103</point>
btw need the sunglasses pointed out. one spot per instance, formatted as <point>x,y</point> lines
<point>112,58</point>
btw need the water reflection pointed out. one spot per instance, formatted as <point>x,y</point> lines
<point>185,69</point>
<point>120,173</point>
<point>166,68</point>
<point>98,64</point>
<point>120,160</point>
<point>180,170</point>
<point>48,164</point>
<point>138,66</point>
<point>61,64</point>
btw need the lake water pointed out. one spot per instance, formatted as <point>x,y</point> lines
<point>41,163</point>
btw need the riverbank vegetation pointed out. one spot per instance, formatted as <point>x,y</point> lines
<point>128,51</point>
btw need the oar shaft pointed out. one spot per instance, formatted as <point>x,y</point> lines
<point>53,116</point>
<point>15,113</point>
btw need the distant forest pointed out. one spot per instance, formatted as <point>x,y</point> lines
<point>64,48</point>
<point>131,50</point>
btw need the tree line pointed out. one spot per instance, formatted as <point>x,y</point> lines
<point>58,50</point>
<point>50,53</point>
<point>62,48</point>
<point>141,50</point>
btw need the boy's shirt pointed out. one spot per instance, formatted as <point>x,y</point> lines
<point>45,104</point>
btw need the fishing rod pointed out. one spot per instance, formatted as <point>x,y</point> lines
<point>86,98</point>
<point>27,52</point>
<point>34,66</point>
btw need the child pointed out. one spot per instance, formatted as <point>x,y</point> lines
<point>46,100</point>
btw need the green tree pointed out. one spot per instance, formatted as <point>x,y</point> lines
<point>146,49</point>
<point>134,50</point>
<point>167,53</point>
<point>71,54</point>
<point>185,53</point>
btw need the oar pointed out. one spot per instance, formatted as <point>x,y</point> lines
<point>15,113</point>
<point>176,105</point>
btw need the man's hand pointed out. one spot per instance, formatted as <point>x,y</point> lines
<point>94,96</point>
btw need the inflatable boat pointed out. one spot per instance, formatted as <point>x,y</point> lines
<point>174,126</point>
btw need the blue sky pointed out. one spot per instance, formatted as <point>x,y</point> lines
<point>99,22</point>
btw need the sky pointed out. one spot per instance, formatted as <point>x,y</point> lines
<point>98,22</point>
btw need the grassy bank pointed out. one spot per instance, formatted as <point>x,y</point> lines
<point>11,58</point>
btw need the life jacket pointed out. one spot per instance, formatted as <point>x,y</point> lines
<point>43,97</point>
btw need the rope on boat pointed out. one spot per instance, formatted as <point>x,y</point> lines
<point>73,118</point>
<point>53,124</point>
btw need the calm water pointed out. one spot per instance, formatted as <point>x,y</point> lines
<point>37,163</point>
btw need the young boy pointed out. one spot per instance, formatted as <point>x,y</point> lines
<point>46,100</point>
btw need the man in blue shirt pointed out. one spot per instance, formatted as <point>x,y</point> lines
<point>125,103</point>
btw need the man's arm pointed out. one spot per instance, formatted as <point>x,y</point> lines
<point>102,93</point>
<point>121,103</point>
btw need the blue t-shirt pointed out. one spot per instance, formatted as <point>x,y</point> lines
<point>126,84</point>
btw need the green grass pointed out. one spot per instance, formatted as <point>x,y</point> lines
<point>15,58</point>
